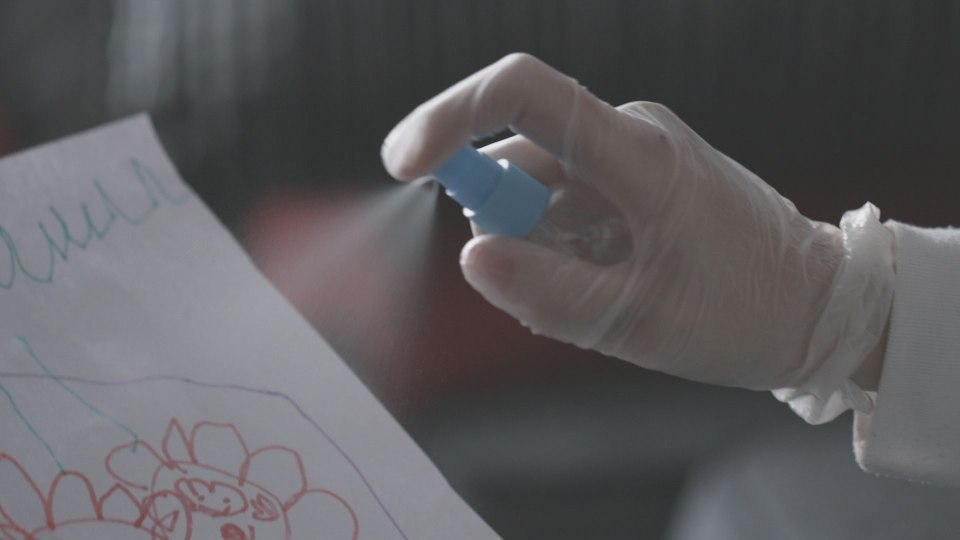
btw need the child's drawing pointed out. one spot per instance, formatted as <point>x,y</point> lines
<point>202,483</point>
<point>165,458</point>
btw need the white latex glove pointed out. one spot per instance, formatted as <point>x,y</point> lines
<point>727,282</point>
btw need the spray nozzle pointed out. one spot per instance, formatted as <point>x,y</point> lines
<point>496,195</point>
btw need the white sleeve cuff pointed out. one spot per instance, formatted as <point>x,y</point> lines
<point>851,324</point>
<point>914,429</point>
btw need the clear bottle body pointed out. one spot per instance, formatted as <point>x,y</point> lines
<point>582,223</point>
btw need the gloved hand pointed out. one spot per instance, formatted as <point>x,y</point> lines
<point>727,282</point>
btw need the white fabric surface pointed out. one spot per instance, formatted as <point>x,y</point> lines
<point>914,430</point>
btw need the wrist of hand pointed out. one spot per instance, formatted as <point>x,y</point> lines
<point>848,341</point>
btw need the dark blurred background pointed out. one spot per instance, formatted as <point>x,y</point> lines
<point>275,110</point>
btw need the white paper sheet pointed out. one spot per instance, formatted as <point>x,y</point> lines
<point>153,384</point>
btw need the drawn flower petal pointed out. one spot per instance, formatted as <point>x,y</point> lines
<point>219,445</point>
<point>321,510</point>
<point>21,503</point>
<point>134,464</point>
<point>176,445</point>
<point>119,504</point>
<point>71,497</point>
<point>277,469</point>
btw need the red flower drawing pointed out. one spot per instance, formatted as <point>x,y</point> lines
<point>205,485</point>
<point>229,491</point>
<point>71,510</point>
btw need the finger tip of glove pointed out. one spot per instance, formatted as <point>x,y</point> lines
<point>403,150</point>
<point>487,268</point>
<point>419,143</point>
<point>395,156</point>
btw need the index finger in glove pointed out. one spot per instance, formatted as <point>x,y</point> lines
<point>519,92</point>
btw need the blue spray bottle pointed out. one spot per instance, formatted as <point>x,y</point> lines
<point>503,199</point>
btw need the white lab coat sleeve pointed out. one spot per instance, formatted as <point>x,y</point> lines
<point>914,429</point>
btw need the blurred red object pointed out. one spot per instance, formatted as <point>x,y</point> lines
<point>377,275</point>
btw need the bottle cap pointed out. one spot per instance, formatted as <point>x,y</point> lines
<point>496,195</point>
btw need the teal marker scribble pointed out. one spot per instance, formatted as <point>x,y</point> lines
<point>61,238</point>
<point>145,174</point>
<point>16,409</point>
<point>26,347</point>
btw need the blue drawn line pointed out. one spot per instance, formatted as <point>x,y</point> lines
<point>155,195</point>
<point>87,404</point>
<point>221,386</point>
<point>27,423</point>
<point>143,172</point>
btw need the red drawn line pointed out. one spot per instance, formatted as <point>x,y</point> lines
<point>186,495</point>
<point>20,528</point>
<point>224,386</point>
